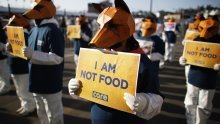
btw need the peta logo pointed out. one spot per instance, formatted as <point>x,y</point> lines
<point>100,96</point>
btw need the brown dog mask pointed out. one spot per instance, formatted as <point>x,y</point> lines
<point>41,10</point>
<point>148,27</point>
<point>116,25</point>
<point>208,28</point>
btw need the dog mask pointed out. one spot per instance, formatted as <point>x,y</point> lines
<point>116,25</point>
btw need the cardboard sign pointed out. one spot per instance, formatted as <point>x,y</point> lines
<point>169,26</point>
<point>106,77</point>
<point>202,53</point>
<point>191,34</point>
<point>17,40</point>
<point>73,31</point>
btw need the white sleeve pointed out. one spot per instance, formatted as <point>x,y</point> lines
<point>153,106</point>
<point>85,37</point>
<point>2,46</point>
<point>164,37</point>
<point>183,42</point>
<point>42,58</point>
<point>156,56</point>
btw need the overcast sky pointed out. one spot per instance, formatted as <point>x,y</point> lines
<point>134,5</point>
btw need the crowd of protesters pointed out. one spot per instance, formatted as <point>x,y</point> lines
<point>39,79</point>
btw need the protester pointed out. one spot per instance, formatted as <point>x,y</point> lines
<point>19,70</point>
<point>156,50</point>
<point>192,33</point>
<point>170,39</point>
<point>46,54</point>
<point>5,85</point>
<point>202,81</point>
<point>116,33</point>
<point>85,37</point>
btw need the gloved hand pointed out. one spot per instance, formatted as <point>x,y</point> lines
<point>2,47</point>
<point>182,60</point>
<point>73,86</point>
<point>28,52</point>
<point>216,67</point>
<point>136,104</point>
<point>8,47</point>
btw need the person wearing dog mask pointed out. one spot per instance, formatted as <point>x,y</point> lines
<point>202,81</point>
<point>158,47</point>
<point>20,71</point>
<point>85,37</point>
<point>193,33</point>
<point>116,33</point>
<point>46,54</point>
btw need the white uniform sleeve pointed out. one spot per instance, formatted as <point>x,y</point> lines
<point>164,37</point>
<point>42,58</point>
<point>156,57</point>
<point>153,106</point>
<point>2,46</point>
<point>85,37</point>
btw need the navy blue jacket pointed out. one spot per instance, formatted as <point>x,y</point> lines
<point>171,36</point>
<point>46,79</point>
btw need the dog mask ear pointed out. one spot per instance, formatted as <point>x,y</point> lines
<point>121,4</point>
<point>98,7</point>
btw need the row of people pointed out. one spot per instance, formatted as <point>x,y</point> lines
<point>45,52</point>
<point>39,84</point>
<point>201,81</point>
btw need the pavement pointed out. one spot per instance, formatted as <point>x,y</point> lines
<point>172,82</point>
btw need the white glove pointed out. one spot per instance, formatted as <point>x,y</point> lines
<point>8,47</point>
<point>2,47</point>
<point>73,86</point>
<point>182,60</point>
<point>136,104</point>
<point>216,67</point>
<point>28,52</point>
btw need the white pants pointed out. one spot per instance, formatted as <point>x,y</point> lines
<point>76,58</point>
<point>187,67</point>
<point>21,82</point>
<point>4,76</point>
<point>49,108</point>
<point>169,51</point>
<point>198,104</point>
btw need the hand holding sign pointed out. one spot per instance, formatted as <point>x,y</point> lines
<point>74,85</point>
<point>217,67</point>
<point>28,52</point>
<point>135,103</point>
<point>2,46</point>
<point>8,47</point>
<point>182,60</point>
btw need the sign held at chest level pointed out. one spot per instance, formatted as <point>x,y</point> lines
<point>202,53</point>
<point>17,40</point>
<point>106,77</point>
